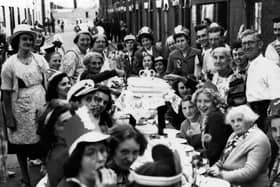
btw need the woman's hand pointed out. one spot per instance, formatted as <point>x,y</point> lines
<point>108,178</point>
<point>120,72</point>
<point>215,171</point>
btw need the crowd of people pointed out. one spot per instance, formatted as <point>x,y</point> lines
<point>58,106</point>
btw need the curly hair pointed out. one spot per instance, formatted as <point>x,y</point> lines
<point>212,94</point>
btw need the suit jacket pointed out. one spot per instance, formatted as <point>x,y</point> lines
<point>247,164</point>
<point>138,58</point>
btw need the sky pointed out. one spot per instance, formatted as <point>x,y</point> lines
<point>80,3</point>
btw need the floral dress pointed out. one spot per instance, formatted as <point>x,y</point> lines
<point>28,95</point>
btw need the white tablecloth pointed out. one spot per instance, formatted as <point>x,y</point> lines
<point>184,150</point>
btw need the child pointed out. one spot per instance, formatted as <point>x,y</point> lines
<point>148,62</point>
<point>191,126</point>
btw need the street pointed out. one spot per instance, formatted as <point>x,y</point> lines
<point>35,174</point>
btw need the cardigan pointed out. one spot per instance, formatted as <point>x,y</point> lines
<point>247,164</point>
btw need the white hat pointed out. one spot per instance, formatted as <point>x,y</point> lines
<point>90,137</point>
<point>23,28</point>
<point>82,87</point>
<point>181,30</point>
<point>129,37</point>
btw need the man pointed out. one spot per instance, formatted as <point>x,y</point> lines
<point>146,39</point>
<point>184,60</point>
<point>263,76</point>
<point>202,37</point>
<point>237,85</point>
<point>273,49</point>
<point>215,39</point>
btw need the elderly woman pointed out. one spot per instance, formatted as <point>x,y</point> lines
<point>23,86</point>
<point>93,62</point>
<point>245,159</point>
<point>215,132</point>
<point>72,62</point>
<point>222,76</point>
<point>125,144</point>
<point>85,166</point>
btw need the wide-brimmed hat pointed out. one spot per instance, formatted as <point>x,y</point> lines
<point>81,88</point>
<point>21,29</point>
<point>90,137</point>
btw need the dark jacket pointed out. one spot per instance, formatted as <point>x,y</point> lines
<point>54,162</point>
<point>215,127</point>
<point>180,65</point>
<point>97,78</point>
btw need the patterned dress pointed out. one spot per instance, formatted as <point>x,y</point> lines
<point>27,84</point>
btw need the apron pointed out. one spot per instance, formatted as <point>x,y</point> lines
<point>26,103</point>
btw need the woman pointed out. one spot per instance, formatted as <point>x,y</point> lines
<point>93,62</point>
<point>23,82</point>
<point>182,87</point>
<point>160,66</point>
<point>191,126</point>
<point>246,157</point>
<point>93,104</point>
<point>146,39</point>
<point>54,59</point>
<point>85,166</point>
<point>125,144</point>
<point>39,42</point>
<point>215,132</point>
<point>72,62</point>
<point>148,62</point>
<point>164,171</point>
<point>222,76</point>
<point>54,148</point>
<point>58,87</point>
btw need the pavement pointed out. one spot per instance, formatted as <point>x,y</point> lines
<point>12,163</point>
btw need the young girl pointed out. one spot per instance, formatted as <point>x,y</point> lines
<point>148,62</point>
<point>191,126</point>
<point>54,60</point>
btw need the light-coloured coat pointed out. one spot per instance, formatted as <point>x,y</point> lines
<point>247,164</point>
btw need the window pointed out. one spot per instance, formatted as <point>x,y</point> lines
<point>2,16</point>
<point>87,15</point>
<point>258,17</point>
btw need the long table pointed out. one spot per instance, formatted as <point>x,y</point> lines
<point>185,151</point>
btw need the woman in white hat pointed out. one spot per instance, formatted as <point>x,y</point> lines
<point>72,62</point>
<point>85,166</point>
<point>146,39</point>
<point>23,85</point>
<point>93,103</point>
<point>184,58</point>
